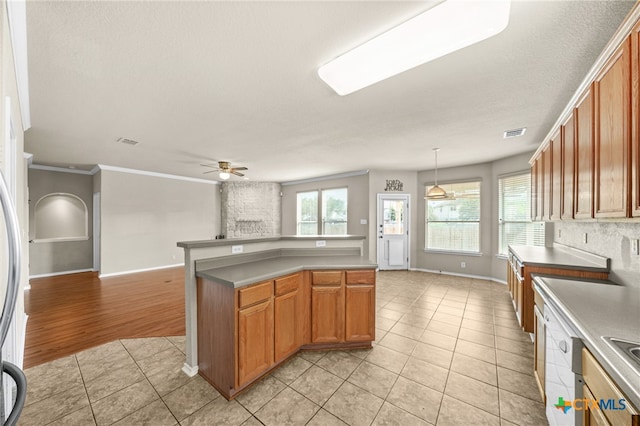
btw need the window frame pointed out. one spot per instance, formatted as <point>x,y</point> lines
<point>320,222</point>
<point>502,222</point>
<point>479,221</point>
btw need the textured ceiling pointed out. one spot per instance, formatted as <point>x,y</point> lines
<point>198,82</point>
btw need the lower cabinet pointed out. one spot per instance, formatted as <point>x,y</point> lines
<point>599,386</point>
<point>244,333</point>
<point>255,340</point>
<point>342,306</point>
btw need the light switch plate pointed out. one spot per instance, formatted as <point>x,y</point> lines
<point>635,247</point>
<point>584,238</point>
<point>363,221</point>
<point>237,249</point>
<point>321,243</point>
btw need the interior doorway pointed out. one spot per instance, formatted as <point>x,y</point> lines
<point>393,231</point>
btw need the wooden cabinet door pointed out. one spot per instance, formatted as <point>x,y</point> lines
<point>536,214</point>
<point>592,417</point>
<point>327,314</point>
<point>556,177</point>
<point>568,160</point>
<point>612,91</point>
<point>286,314</point>
<point>547,189</point>
<point>635,121</point>
<point>583,208</point>
<point>360,314</point>
<point>255,340</point>
<point>539,349</point>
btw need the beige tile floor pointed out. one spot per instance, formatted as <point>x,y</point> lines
<point>448,352</point>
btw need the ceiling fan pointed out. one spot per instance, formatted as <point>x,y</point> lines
<point>225,169</point>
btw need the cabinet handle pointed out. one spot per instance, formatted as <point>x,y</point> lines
<point>563,346</point>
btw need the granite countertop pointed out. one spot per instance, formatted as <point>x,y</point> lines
<point>595,309</point>
<point>560,257</point>
<point>252,272</point>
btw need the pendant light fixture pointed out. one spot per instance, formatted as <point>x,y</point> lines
<point>435,192</point>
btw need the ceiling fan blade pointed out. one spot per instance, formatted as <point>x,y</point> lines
<point>239,168</point>
<point>209,165</point>
<point>210,171</point>
<point>236,173</point>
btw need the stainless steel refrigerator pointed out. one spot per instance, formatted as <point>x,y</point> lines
<point>13,286</point>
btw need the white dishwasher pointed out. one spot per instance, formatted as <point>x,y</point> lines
<point>562,361</point>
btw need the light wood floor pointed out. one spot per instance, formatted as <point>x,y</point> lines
<point>71,313</point>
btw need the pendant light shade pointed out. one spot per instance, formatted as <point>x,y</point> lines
<point>435,192</point>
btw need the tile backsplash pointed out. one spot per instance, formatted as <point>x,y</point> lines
<point>610,239</point>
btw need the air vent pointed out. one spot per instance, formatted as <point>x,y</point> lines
<point>127,141</point>
<point>514,133</point>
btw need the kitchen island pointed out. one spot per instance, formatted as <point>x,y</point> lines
<point>252,304</point>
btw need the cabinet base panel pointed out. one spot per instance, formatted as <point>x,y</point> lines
<point>230,394</point>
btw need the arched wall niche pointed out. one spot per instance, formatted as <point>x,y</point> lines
<point>61,217</point>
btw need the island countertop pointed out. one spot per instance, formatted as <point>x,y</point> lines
<point>596,310</point>
<point>247,273</point>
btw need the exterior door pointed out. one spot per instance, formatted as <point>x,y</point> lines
<point>393,231</point>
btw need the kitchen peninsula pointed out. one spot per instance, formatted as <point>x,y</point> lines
<point>253,303</point>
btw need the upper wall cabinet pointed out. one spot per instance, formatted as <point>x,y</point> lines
<point>556,176</point>
<point>568,160</point>
<point>635,121</point>
<point>612,90</point>
<point>583,116</point>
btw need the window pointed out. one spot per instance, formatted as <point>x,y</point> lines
<point>515,225</point>
<point>453,224</point>
<point>330,205</point>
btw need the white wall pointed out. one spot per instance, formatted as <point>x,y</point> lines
<point>143,217</point>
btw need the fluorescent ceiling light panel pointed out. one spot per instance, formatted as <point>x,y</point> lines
<point>445,28</point>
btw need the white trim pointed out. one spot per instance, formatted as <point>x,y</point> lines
<point>135,271</point>
<point>477,277</point>
<point>189,370</point>
<point>61,239</point>
<point>55,274</point>
<point>155,174</point>
<point>95,169</point>
<point>623,31</point>
<point>59,169</point>
<point>17,16</point>
<point>328,177</point>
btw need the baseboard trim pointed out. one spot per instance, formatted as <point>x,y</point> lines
<point>455,274</point>
<point>189,370</point>
<point>55,274</point>
<point>135,271</point>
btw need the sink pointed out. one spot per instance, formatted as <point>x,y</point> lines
<point>630,351</point>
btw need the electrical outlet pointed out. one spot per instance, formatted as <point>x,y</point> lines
<point>635,247</point>
<point>363,221</point>
<point>321,243</point>
<point>237,249</point>
<point>463,265</point>
<point>584,238</point>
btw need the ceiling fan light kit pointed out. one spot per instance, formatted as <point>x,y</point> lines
<point>225,170</point>
<point>443,29</point>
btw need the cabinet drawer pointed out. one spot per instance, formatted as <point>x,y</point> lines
<point>287,284</point>
<point>361,277</point>
<point>538,300</point>
<point>603,387</point>
<point>254,294</point>
<point>326,278</point>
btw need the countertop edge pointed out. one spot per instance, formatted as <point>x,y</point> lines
<point>234,241</point>
<point>209,274</point>
<point>595,345</point>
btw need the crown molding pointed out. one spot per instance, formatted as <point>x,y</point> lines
<point>328,177</point>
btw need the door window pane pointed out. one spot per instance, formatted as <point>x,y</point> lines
<point>393,220</point>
